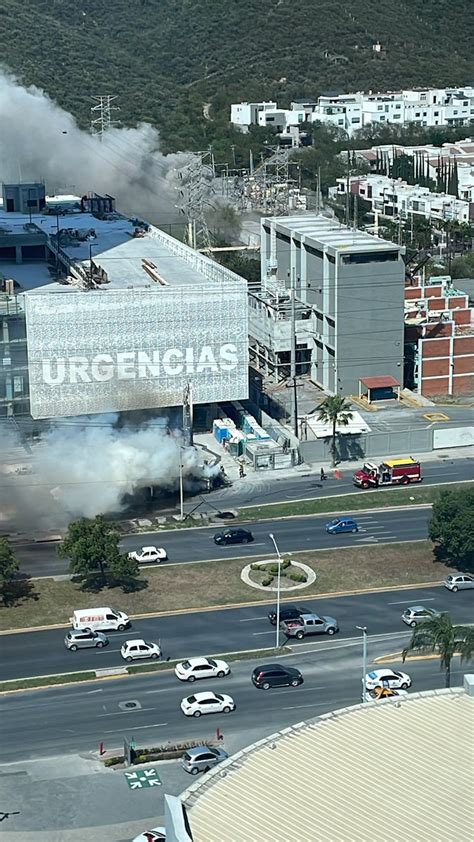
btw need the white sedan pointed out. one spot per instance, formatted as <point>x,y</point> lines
<point>201,668</point>
<point>149,555</point>
<point>383,693</point>
<point>387,678</point>
<point>133,650</point>
<point>202,703</point>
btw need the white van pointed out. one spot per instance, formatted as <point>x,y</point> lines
<point>99,619</point>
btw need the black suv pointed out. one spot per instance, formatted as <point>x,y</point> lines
<point>233,536</point>
<point>287,612</point>
<point>274,675</point>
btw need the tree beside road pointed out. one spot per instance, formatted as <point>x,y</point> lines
<point>439,636</point>
<point>451,527</point>
<point>335,411</point>
<point>92,547</point>
<point>9,567</point>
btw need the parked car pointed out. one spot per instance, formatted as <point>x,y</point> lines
<point>342,524</point>
<point>156,834</point>
<point>383,693</point>
<point>417,613</point>
<point>309,624</point>
<point>149,555</point>
<point>133,650</point>
<point>202,758</point>
<point>233,536</point>
<point>458,582</point>
<point>275,675</point>
<point>202,703</point>
<point>392,679</point>
<point>287,612</point>
<point>195,668</point>
<point>85,640</point>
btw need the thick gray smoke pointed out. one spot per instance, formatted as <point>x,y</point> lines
<point>41,142</point>
<point>84,467</point>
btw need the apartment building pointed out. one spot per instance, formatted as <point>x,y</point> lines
<point>350,112</point>
<point>397,199</point>
<point>348,290</point>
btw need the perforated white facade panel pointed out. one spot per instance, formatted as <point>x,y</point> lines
<point>106,350</point>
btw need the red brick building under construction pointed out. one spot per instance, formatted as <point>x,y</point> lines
<point>439,339</point>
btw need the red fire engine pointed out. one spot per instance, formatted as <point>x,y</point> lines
<point>391,472</point>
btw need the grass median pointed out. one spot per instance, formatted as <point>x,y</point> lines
<point>347,503</point>
<point>218,583</point>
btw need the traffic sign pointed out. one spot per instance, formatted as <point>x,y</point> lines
<point>142,779</point>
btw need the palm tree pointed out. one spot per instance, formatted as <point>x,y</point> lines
<point>438,635</point>
<point>334,410</point>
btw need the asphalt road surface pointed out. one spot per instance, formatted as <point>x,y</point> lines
<point>270,488</point>
<point>224,630</point>
<point>293,534</point>
<point>75,719</point>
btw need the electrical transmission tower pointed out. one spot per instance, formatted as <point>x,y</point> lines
<point>272,182</point>
<point>196,190</point>
<point>103,109</point>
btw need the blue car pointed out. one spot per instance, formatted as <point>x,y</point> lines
<point>342,524</point>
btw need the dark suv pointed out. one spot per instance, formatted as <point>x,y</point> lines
<point>233,536</point>
<point>274,675</point>
<point>287,612</point>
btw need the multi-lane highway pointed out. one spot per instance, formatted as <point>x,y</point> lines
<point>294,534</point>
<point>273,488</point>
<point>75,719</point>
<point>224,630</point>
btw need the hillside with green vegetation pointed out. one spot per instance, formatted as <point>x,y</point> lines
<point>165,58</point>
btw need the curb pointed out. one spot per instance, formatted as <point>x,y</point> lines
<point>232,606</point>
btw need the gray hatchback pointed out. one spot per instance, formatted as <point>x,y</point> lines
<point>202,758</point>
<point>85,640</point>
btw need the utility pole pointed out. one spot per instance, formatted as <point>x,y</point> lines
<point>293,353</point>
<point>103,109</point>
<point>356,209</point>
<point>348,185</point>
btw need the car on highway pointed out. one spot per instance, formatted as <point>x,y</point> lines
<point>202,703</point>
<point>85,640</point>
<point>275,675</point>
<point>233,536</point>
<point>149,555</point>
<point>458,582</point>
<point>392,679</point>
<point>195,668</point>
<point>202,758</point>
<point>308,624</point>
<point>342,524</point>
<point>383,693</point>
<point>287,612</point>
<point>417,614</point>
<point>133,650</point>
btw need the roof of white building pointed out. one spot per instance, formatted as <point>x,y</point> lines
<point>329,232</point>
<point>349,776</point>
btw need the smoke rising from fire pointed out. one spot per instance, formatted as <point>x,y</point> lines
<point>39,141</point>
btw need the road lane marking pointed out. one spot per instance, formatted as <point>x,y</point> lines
<point>405,602</point>
<point>138,728</point>
<point>89,692</point>
<point>119,712</point>
<point>301,689</point>
<point>251,619</point>
<point>271,631</point>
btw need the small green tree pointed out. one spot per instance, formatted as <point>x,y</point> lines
<point>92,545</point>
<point>452,526</point>
<point>334,410</point>
<point>439,636</point>
<point>8,562</point>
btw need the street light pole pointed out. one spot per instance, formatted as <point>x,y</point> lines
<point>363,629</point>
<point>181,490</point>
<point>277,641</point>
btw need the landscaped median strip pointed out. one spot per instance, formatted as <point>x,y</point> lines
<point>42,682</point>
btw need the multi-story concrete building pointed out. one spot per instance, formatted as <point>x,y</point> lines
<point>348,289</point>
<point>397,199</point>
<point>439,338</point>
<point>450,106</point>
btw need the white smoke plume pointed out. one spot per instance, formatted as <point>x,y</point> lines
<point>88,466</point>
<point>39,141</point>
